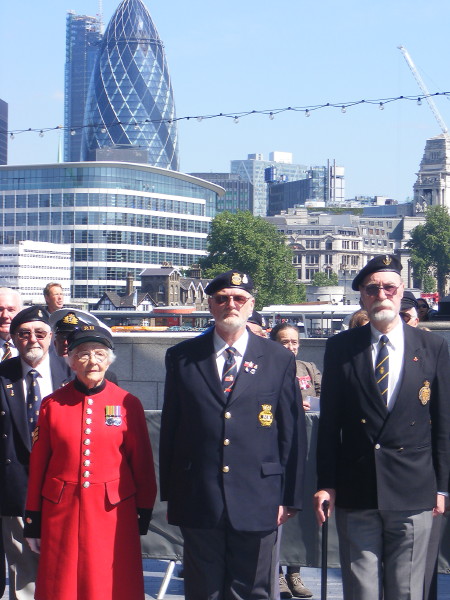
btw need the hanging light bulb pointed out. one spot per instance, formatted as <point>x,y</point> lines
<point>236,120</point>
<point>381,107</point>
<point>343,109</point>
<point>41,133</point>
<point>199,119</point>
<point>73,132</point>
<point>271,116</point>
<point>135,125</point>
<point>307,113</point>
<point>11,136</point>
<point>419,101</point>
<point>103,129</point>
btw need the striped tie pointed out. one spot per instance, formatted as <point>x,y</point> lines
<point>382,368</point>
<point>6,351</point>
<point>229,371</point>
<point>33,400</point>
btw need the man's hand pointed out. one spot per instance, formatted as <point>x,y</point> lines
<point>321,496</point>
<point>439,509</point>
<point>285,513</point>
<point>35,544</point>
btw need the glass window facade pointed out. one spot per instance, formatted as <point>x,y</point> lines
<point>130,99</point>
<point>3,132</point>
<point>117,218</point>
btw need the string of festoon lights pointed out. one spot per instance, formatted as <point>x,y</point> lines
<point>271,113</point>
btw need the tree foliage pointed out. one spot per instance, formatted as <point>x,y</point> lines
<point>325,279</point>
<point>430,247</point>
<point>247,243</point>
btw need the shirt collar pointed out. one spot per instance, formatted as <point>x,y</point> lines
<point>240,344</point>
<point>41,368</point>
<point>395,336</point>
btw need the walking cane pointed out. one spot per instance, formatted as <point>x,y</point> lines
<point>323,586</point>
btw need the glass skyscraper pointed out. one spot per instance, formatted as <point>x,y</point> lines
<point>83,37</point>
<point>130,100</point>
<point>118,218</point>
<point>3,132</point>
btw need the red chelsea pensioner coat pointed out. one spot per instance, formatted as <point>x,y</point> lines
<point>88,478</point>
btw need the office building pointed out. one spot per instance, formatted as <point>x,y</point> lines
<point>130,107</point>
<point>118,218</point>
<point>253,170</point>
<point>238,191</point>
<point>3,132</point>
<point>28,266</point>
<point>432,187</point>
<point>83,35</point>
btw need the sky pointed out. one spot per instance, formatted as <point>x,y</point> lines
<point>243,55</point>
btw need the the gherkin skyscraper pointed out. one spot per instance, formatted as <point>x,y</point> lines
<point>130,99</point>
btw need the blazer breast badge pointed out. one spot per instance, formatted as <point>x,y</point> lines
<point>425,393</point>
<point>265,416</point>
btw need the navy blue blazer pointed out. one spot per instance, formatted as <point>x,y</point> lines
<point>244,455</point>
<point>15,442</point>
<point>374,458</point>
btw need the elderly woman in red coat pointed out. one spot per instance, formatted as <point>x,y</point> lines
<point>92,482</point>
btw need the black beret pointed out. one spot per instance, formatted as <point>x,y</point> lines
<point>408,301</point>
<point>31,313</point>
<point>90,333</point>
<point>230,279</point>
<point>383,262</point>
<point>255,318</point>
<point>68,319</point>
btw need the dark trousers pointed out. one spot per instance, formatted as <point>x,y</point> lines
<point>225,564</point>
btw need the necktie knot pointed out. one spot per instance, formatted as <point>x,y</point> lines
<point>6,351</point>
<point>384,340</point>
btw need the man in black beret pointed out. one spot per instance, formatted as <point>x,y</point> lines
<point>232,448</point>
<point>24,381</point>
<point>383,455</point>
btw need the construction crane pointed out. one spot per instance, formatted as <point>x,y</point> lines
<point>423,87</point>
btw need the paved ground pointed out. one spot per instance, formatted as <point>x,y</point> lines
<point>154,572</point>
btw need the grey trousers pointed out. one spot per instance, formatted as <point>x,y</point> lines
<point>22,562</point>
<point>383,553</point>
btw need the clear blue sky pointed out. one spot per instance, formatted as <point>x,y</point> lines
<point>253,55</point>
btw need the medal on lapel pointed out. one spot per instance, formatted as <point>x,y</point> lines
<point>425,393</point>
<point>113,416</point>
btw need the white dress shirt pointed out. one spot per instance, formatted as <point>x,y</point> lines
<point>44,378</point>
<point>240,345</point>
<point>396,348</point>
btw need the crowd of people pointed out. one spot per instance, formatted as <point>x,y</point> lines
<point>77,475</point>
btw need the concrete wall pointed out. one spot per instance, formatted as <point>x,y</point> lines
<point>140,360</point>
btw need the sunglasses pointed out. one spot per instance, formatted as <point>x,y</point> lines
<point>25,334</point>
<point>373,290</point>
<point>223,299</point>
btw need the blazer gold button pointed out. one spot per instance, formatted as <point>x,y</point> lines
<point>86,484</point>
<point>377,446</point>
<point>3,413</point>
<point>226,442</point>
<point>8,461</point>
<point>227,415</point>
<point>363,421</point>
<point>225,469</point>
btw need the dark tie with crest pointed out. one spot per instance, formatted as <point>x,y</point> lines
<point>6,351</point>
<point>229,371</point>
<point>33,399</point>
<point>382,367</point>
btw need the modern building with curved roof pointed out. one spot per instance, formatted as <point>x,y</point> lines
<point>130,100</point>
<point>118,218</point>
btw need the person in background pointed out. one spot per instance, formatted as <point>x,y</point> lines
<point>10,305</point>
<point>358,319</point>
<point>255,324</point>
<point>92,483</point>
<point>24,381</point>
<point>423,310</point>
<point>408,309</point>
<point>54,297</point>
<point>309,379</point>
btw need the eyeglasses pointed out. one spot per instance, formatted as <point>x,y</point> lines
<point>25,334</point>
<point>98,355</point>
<point>373,290</point>
<point>223,299</point>
<point>406,317</point>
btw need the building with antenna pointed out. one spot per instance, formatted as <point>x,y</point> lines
<point>3,132</point>
<point>83,35</point>
<point>130,111</point>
